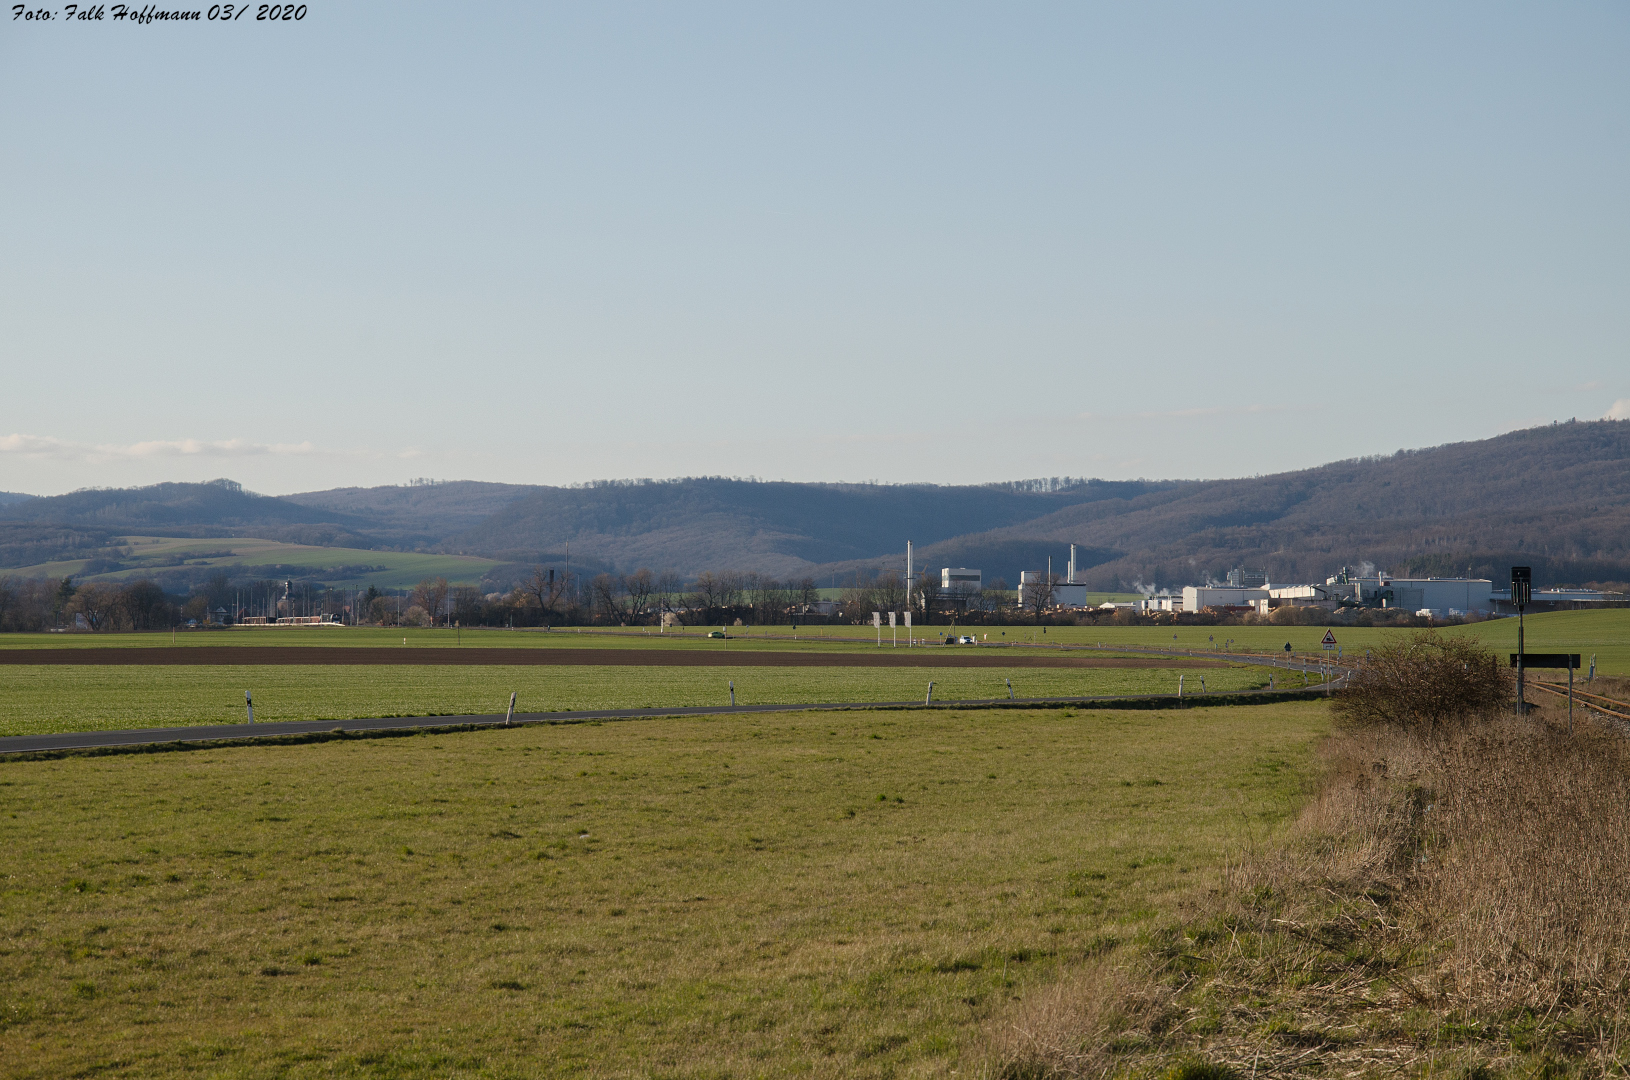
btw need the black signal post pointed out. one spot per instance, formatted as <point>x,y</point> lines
<point>1522,584</point>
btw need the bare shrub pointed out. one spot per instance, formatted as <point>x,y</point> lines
<point>1425,681</point>
<point>1527,866</point>
<point>1449,901</point>
<point>1070,1028</point>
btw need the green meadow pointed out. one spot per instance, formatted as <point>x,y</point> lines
<point>789,894</point>
<point>390,569</point>
<point>1603,633</point>
<point>37,699</point>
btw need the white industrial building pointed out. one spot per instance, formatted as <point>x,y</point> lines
<point>1068,593</point>
<point>1434,596</point>
<point>1163,600</point>
<point>960,579</point>
<point>1200,597</point>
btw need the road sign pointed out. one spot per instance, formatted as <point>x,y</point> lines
<point>1329,641</point>
<point>1547,660</point>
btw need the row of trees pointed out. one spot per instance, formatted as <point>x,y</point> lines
<point>43,604</point>
<point>551,597</point>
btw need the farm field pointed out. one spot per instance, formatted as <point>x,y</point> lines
<point>1605,632</point>
<point>387,569</point>
<point>849,895</point>
<point>40,699</point>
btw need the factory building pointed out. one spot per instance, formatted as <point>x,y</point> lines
<point>1221,597</point>
<point>1065,594</point>
<point>1068,593</point>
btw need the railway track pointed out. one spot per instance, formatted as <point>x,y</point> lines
<point>1619,710</point>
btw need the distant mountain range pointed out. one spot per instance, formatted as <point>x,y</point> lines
<point>1556,497</point>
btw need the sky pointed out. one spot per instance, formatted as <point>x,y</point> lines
<point>543,243</point>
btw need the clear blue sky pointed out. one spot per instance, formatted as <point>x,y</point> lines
<point>549,244</point>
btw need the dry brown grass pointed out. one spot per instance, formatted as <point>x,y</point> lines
<point>1455,901</point>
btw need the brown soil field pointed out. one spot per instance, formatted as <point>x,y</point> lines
<point>273,655</point>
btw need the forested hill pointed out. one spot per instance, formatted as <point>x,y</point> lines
<point>1556,497</point>
<point>773,527</point>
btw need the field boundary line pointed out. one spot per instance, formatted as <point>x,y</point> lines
<point>148,740</point>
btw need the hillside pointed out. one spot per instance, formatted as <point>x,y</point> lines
<point>419,513</point>
<point>1556,497</point>
<point>784,529</point>
<point>217,508</point>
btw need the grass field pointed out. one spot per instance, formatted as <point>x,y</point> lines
<point>1605,633</point>
<point>790,894</point>
<point>38,699</point>
<point>401,569</point>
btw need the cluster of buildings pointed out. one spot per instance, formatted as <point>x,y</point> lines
<point>1250,591</point>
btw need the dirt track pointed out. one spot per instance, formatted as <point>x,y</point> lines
<point>275,655</point>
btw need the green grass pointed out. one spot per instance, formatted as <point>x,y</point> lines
<point>1605,633</point>
<point>811,894</point>
<point>401,569</point>
<point>38,699</point>
<point>804,638</point>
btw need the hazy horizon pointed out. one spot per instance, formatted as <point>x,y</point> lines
<point>911,243</point>
<point>586,482</point>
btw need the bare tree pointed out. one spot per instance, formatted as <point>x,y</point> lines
<point>431,594</point>
<point>889,591</point>
<point>545,588</point>
<point>1424,682</point>
<point>731,587</point>
<point>709,591</point>
<point>927,593</point>
<point>637,590</point>
<point>670,592</point>
<point>606,593</point>
<point>1038,595</point>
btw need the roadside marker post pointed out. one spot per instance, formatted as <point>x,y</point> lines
<point>928,699</point>
<point>511,711</point>
<point>1009,689</point>
<point>249,703</point>
<point>732,693</point>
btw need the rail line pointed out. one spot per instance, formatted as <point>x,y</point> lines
<point>1619,710</point>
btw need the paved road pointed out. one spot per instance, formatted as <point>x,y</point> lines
<point>83,740</point>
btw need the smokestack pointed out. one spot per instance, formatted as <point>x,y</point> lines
<point>1072,565</point>
<point>908,575</point>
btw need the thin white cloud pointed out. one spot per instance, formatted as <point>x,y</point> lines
<point>49,448</point>
<point>1619,411</point>
<point>1183,414</point>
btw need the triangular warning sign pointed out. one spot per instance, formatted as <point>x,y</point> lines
<point>1329,638</point>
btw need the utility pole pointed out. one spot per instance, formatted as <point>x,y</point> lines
<point>1522,583</point>
<point>908,575</point>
